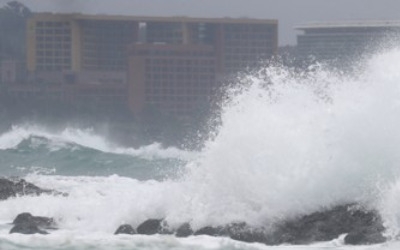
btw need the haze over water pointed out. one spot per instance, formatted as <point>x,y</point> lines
<point>290,143</point>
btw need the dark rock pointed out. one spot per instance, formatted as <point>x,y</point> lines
<point>26,228</point>
<point>362,237</point>
<point>211,231</point>
<point>242,232</point>
<point>25,223</point>
<point>327,225</point>
<point>153,226</point>
<point>27,218</point>
<point>184,230</point>
<point>125,229</point>
<point>12,188</point>
<point>238,231</point>
<point>6,189</point>
<point>361,226</point>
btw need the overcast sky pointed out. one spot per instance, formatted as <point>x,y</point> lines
<point>289,13</point>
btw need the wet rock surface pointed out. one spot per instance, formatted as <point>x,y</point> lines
<point>125,229</point>
<point>40,221</point>
<point>210,231</point>
<point>153,226</point>
<point>26,223</point>
<point>243,232</point>
<point>330,224</point>
<point>364,236</point>
<point>184,230</point>
<point>19,187</point>
<point>361,227</point>
<point>27,229</point>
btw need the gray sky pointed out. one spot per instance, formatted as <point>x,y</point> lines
<point>288,12</point>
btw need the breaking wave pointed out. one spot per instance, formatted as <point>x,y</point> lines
<point>289,143</point>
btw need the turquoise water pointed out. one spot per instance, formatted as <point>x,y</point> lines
<point>36,153</point>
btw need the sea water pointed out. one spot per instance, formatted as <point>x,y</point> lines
<point>289,143</point>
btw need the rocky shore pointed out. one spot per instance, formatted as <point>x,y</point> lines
<point>18,187</point>
<point>359,225</point>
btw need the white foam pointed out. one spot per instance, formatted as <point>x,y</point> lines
<point>66,240</point>
<point>306,142</point>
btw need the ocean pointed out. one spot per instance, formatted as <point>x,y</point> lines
<point>289,143</point>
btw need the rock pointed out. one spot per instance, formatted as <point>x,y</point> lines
<point>184,230</point>
<point>238,231</point>
<point>361,226</point>
<point>153,226</point>
<point>327,225</point>
<point>27,229</point>
<point>25,223</point>
<point>362,237</point>
<point>27,218</point>
<point>211,231</point>
<point>6,189</point>
<point>12,188</point>
<point>242,232</point>
<point>125,229</point>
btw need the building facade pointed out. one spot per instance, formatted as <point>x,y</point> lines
<point>171,78</point>
<point>78,45</point>
<point>167,63</point>
<point>178,65</point>
<point>343,41</point>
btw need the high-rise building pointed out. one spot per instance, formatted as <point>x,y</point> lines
<point>80,46</point>
<point>343,41</point>
<point>177,67</point>
<point>172,64</point>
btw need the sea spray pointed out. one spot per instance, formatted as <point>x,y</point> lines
<point>291,144</point>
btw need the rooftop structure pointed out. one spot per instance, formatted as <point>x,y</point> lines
<point>350,24</point>
<point>338,41</point>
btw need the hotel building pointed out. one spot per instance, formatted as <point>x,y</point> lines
<point>173,64</point>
